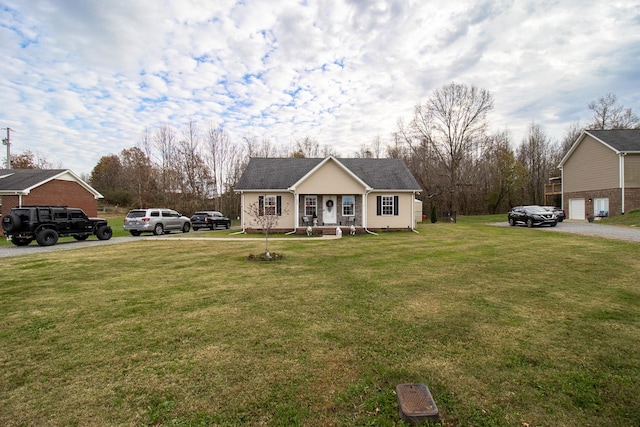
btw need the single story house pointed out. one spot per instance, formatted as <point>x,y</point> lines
<point>52,187</point>
<point>370,194</point>
<point>601,174</point>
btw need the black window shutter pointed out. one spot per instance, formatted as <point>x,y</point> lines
<point>260,205</point>
<point>379,205</point>
<point>279,205</point>
<point>395,205</point>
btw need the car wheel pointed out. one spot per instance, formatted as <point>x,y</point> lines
<point>104,233</point>
<point>47,237</point>
<point>227,225</point>
<point>11,222</point>
<point>529,223</point>
<point>81,236</point>
<point>553,224</point>
<point>512,222</point>
<point>158,229</point>
<point>212,227</point>
<point>195,229</point>
<point>21,241</point>
<point>134,233</point>
<point>185,227</point>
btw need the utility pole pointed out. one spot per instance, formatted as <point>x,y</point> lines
<point>7,142</point>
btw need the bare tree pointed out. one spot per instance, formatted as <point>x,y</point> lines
<point>327,151</point>
<point>571,135</point>
<point>447,126</point>
<point>307,147</point>
<point>265,214</point>
<point>504,174</point>
<point>165,144</point>
<point>608,114</point>
<point>193,172</point>
<point>255,148</point>
<point>396,149</point>
<point>222,157</point>
<point>371,151</point>
<point>535,154</point>
<point>365,152</point>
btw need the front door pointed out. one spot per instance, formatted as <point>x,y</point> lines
<point>329,208</point>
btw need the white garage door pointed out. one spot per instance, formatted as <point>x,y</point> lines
<point>576,208</point>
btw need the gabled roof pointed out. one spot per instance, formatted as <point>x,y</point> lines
<point>22,181</point>
<point>322,163</point>
<point>283,173</point>
<point>620,141</point>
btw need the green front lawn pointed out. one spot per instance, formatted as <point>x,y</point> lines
<point>508,326</point>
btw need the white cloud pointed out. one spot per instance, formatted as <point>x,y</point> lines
<point>83,79</point>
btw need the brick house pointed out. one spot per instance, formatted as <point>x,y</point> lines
<point>601,174</point>
<point>21,187</point>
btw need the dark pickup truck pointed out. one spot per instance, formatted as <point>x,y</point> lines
<point>46,223</point>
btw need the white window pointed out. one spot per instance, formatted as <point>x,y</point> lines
<point>387,205</point>
<point>310,205</point>
<point>270,204</point>
<point>348,205</point>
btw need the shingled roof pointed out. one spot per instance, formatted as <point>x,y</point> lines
<point>22,181</point>
<point>283,173</point>
<point>622,140</point>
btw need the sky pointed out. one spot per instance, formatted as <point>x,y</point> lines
<point>82,79</point>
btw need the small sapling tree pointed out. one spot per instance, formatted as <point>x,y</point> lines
<point>265,214</point>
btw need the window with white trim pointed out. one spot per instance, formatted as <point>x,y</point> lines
<point>310,205</point>
<point>387,205</point>
<point>601,206</point>
<point>270,204</point>
<point>348,205</point>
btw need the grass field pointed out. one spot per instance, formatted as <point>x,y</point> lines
<point>508,326</point>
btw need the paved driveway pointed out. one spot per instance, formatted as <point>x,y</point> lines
<point>67,244</point>
<point>33,248</point>
<point>590,229</point>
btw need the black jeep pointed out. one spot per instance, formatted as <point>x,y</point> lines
<point>46,223</point>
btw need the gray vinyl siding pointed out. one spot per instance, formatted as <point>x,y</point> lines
<point>592,166</point>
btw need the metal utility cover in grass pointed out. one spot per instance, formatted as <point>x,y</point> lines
<point>416,403</point>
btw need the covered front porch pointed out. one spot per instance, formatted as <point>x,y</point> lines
<point>322,211</point>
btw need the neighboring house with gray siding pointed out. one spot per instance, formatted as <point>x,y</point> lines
<point>601,174</point>
<point>370,194</point>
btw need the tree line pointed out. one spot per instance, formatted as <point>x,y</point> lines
<point>447,144</point>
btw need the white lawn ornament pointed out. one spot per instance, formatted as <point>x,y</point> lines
<point>352,230</point>
<point>309,230</point>
<point>338,231</point>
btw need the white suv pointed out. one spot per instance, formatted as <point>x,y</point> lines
<point>156,221</point>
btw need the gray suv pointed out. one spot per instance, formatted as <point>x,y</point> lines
<point>156,221</point>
